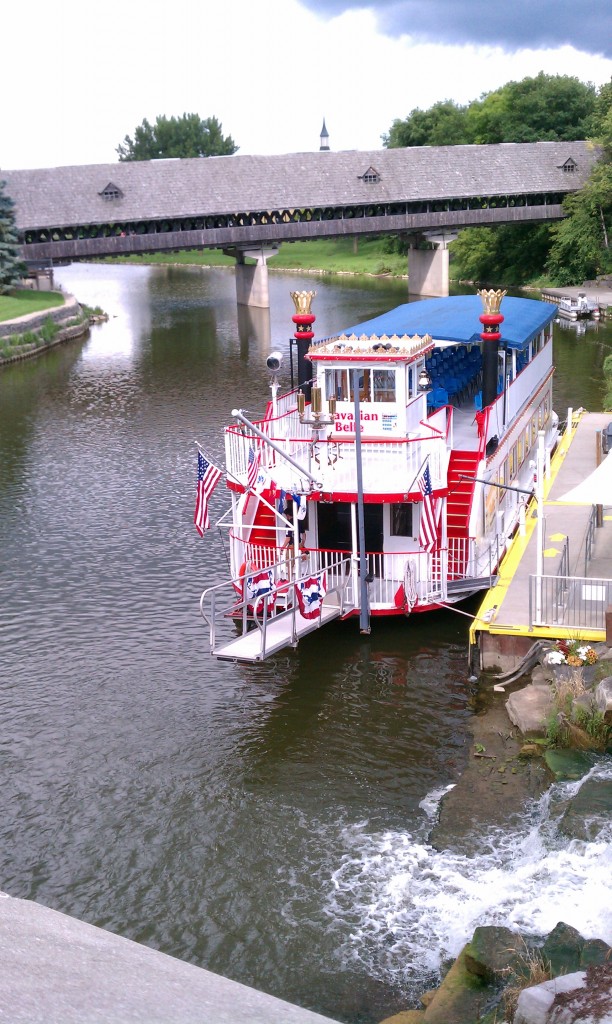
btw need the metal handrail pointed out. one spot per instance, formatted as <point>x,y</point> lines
<point>571,602</point>
<point>589,541</point>
<point>243,608</point>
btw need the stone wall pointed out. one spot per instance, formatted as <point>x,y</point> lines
<point>34,321</point>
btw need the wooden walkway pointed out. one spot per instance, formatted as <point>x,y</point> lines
<point>502,627</point>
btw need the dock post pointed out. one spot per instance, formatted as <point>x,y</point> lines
<point>568,425</point>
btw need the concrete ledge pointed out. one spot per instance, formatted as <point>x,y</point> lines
<point>57,970</point>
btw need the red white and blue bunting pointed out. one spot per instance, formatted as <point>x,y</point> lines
<point>310,592</point>
<point>258,587</point>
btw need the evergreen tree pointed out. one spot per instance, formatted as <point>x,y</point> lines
<point>185,136</point>
<point>12,268</point>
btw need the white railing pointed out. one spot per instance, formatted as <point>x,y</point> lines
<point>333,461</point>
<point>573,602</point>
<point>386,465</point>
<point>225,605</point>
<point>428,574</point>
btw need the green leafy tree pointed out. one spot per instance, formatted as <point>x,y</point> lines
<point>546,108</point>
<point>543,108</point>
<point>444,124</point>
<point>185,136</point>
<point>12,268</point>
<point>580,249</point>
<point>598,125</point>
<point>512,253</point>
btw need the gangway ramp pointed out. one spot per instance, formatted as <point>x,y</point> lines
<point>279,617</point>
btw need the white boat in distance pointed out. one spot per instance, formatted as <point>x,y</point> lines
<point>413,509</point>
<point>578,307</point>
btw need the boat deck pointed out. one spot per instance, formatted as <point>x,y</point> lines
<point>509,632</point>
<point>282,631</point>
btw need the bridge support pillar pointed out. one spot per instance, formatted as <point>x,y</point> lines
<point>252,278</point>
<point>428,271</point>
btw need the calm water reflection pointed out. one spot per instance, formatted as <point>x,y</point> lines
<point>202,808</point>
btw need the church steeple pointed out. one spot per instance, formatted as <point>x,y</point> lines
<point>324,146</point>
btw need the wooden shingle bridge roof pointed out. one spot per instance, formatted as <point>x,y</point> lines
<point>234,200</point>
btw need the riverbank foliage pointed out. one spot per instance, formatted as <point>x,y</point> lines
<point>544,108</point>
<point>374,256</point>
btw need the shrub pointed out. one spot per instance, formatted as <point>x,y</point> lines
<point>49,330</point>
<point>533,970</point>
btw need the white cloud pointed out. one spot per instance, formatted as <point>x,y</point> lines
<point>84,76</point>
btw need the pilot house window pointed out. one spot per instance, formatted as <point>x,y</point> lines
<point>374,385</point>
<point>384,386</point>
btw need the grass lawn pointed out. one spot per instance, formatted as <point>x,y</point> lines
<point>332,256</point>
<point>23,301</point>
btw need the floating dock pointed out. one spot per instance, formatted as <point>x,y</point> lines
<point>596,291</point>
<point>570,595</point>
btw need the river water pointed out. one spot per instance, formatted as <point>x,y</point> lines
<point>268,822</point>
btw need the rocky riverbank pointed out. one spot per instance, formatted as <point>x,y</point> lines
<point>502,976</point>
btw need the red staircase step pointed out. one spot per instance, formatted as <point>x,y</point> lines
<point>460,491</point>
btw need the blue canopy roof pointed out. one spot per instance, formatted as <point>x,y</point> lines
<point>456,319</point>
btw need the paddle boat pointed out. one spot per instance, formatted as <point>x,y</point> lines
<point>390,480</point>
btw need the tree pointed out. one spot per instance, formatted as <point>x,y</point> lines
<point>581,242</point>
<point>444,124</point>
<point>577,253</point>
<point>547,108</point>
<point>185,136</point>
<point>544,108</point>
<point>512,253</point>
<point>12,268</point>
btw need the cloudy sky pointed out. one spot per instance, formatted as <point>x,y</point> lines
<point>79,76</point>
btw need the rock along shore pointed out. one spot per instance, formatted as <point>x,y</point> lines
<point>500,976</point>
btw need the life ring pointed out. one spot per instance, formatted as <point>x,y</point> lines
<point>410,591</point>
<point>239,583</point>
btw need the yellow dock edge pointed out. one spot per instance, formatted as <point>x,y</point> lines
<point>484,620</point>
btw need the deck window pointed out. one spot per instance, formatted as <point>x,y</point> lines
<point>401,520</point>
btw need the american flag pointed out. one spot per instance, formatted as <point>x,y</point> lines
<point>428,530</point>
<point>208,476</point>
<point>253,469</point>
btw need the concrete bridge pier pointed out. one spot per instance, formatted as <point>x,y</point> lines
<point>252,278</point>
<point>254,329</point>
<point>428,272</point>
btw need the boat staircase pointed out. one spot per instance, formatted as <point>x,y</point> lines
<point>461,464</point>
<point>240,630</point>
<point>262,533</point>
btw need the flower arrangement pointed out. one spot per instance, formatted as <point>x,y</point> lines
<point>571,652</point>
